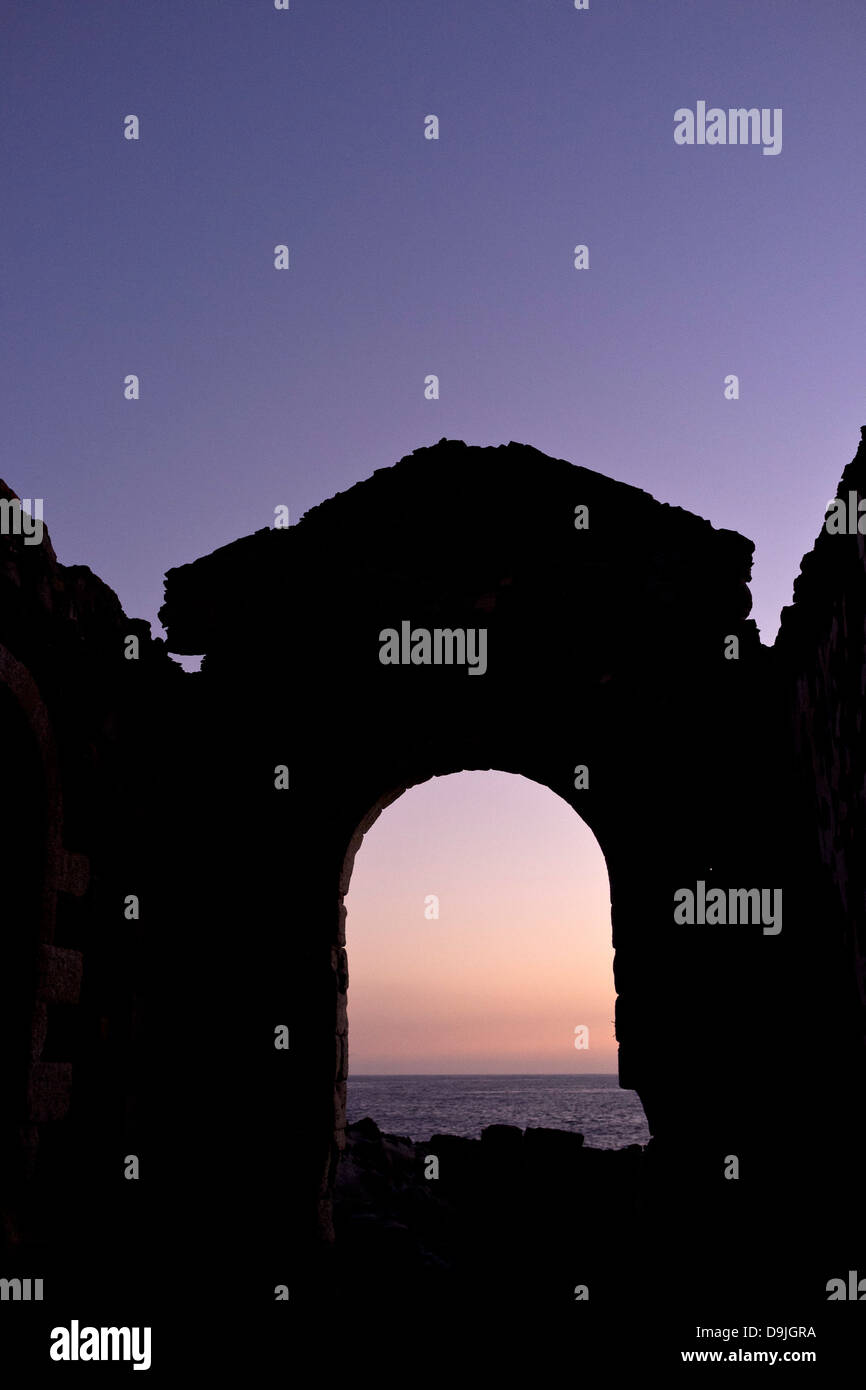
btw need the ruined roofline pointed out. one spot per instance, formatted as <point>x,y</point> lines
<point>519,455</point>
<point>328,508</point>
<point>521,501</point>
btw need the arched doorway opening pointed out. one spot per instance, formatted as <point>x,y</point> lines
<point>479,947</point>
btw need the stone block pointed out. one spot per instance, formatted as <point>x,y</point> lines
<point>59,975</point>
<point>49,1091</point>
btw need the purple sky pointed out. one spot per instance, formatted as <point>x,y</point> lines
<point>410,257</point>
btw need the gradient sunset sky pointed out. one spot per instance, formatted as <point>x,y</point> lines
<point>262,388</point>
<point>520,954</point>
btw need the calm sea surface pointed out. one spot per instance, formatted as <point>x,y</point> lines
<point>421,1106</point>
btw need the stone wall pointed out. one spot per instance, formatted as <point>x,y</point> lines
<point>821,657</point>
<point>77,726</point>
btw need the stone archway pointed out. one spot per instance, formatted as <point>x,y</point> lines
<point>607,617</point>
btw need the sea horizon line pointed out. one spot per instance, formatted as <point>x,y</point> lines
<point>453,1075</point>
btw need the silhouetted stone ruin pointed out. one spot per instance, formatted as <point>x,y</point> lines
<point>168,905</point>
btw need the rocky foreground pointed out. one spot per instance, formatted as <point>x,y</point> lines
<point>535,1208</point>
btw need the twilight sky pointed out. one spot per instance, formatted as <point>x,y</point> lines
<point>411,256</point>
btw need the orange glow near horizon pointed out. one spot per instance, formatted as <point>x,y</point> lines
<point>520,954</point>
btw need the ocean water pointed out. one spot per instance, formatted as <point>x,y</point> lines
<point>421,1106</point>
